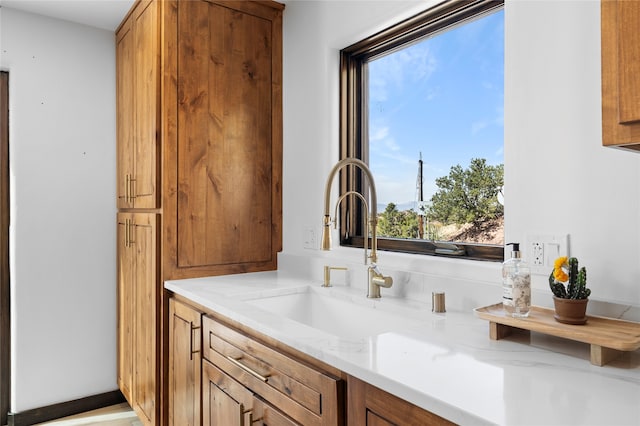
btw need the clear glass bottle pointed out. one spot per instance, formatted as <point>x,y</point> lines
<point>516,285</point>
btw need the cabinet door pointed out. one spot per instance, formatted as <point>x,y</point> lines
<point>126,285</point>
<point>185,337</point>
<point>146,315</point>
<point>137,87</point>
<point>370,406</point>
<point>266,415</point>
<point>138,319</point>
<point>124,114</point>
<point>146,95</point>
<point>224,401</point>
<point>620,21</point>
<point>225,216</point>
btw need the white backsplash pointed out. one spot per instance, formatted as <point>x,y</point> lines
<point>464,290</point>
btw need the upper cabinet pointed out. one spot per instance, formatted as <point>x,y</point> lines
<point>199,130</point>
<point>137,100</point>
<point>222,137</point>
<point>620,21</point>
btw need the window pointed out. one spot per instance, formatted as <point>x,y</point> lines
<point>432,87</point>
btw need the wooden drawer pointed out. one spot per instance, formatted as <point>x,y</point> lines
<point>309,396</point>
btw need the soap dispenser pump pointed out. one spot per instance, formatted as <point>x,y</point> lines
<point>516,285</point>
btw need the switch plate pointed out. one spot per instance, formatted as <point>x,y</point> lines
<point>310,239</point>
<point>544,249</point>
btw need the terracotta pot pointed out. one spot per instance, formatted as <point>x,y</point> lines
<point>570,311</point>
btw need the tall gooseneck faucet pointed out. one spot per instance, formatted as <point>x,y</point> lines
<point>376,279</point>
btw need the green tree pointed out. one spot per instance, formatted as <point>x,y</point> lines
<point>468,195</point>
<point>397,224</point>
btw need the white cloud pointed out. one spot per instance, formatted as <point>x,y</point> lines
<point>379,134</point>
<point>391,144</point>
<point>416,63</point>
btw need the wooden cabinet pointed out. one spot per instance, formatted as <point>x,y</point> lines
<point>371,406</point>
<point>252,379</point>
<point>620,20</point>
<point>138,315</point>
<point>137,100</point>
<point>222,137</point>
<point>199,144</point>
<point>185,360</point>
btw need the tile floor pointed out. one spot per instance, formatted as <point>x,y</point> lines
<point>115,415</point>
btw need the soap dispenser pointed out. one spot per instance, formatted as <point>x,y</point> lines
<point>516,285</point>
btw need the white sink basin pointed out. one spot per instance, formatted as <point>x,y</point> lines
<point>337,316</point>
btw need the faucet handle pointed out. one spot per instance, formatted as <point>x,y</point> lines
<point>382,281</point>
<point>327,274</point>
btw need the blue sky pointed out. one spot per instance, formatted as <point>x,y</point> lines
<point>443,97</point>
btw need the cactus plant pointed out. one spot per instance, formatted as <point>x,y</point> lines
<point>568,280</point>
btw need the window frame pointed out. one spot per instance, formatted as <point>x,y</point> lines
<point>354,121</point>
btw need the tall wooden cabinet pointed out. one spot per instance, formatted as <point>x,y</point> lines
<point>620,20</point>
<point>137,84</point>
<point>199,149</point>
<point>138,314</point>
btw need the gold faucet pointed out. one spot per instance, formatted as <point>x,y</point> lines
<point>376,278</point>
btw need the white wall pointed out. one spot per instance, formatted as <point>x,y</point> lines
<point>558,177</point>
<point>62,97</point>
<point>62,142</point>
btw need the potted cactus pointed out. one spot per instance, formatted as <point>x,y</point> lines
<point>568,283</point>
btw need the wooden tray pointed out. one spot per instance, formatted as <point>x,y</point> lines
<point>609,338</point>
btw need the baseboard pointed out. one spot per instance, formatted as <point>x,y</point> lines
<point>64,409</point>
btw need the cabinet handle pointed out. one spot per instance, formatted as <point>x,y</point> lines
<point>128,241</point>
<point>247,369</point>
<point>126,233</point>
<point>252,420</point>
<point>132,192</point>
<point>131,240</point>
<point>243,415</point>
<point>192,352</point>
<point>127,188</point>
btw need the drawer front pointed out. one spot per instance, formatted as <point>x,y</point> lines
<point>309,396</point>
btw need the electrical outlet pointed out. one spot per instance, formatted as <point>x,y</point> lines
<point>543,250</point>
<point>537,253</point>
<point>310,239</point>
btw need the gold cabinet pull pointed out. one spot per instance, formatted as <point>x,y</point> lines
<point>126,232</point>
<point>129,193</point>
<point>132,191</point>
<point>127,188</point>
<point>248,369</point>
<point>192,352</point>
<point>128,235</point>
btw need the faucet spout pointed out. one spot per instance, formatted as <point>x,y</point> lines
<point>376,279</point>
<point>373,217</point>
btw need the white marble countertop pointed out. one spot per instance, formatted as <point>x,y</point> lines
<point>444,363</point>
